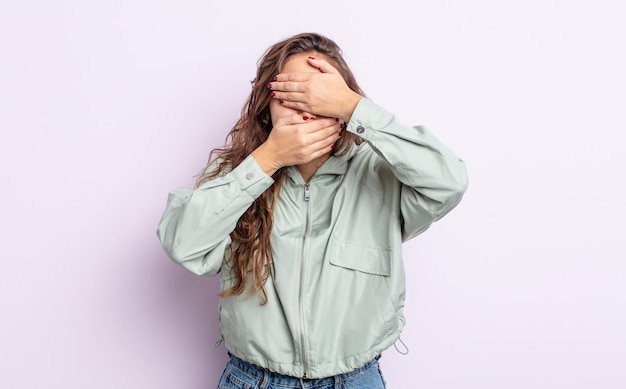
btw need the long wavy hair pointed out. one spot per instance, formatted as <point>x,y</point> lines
<point>251,247</point>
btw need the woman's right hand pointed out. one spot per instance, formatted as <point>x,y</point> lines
<point>296,141</point>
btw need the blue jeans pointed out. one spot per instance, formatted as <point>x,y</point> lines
<point>239,374</point>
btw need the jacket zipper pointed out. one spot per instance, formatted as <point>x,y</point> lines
<point>307,197</point>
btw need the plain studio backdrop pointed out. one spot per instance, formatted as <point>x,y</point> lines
<point>105,106</point>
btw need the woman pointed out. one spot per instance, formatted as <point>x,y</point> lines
<point>303,215</point>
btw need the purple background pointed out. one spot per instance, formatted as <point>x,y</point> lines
<point>106,106</point>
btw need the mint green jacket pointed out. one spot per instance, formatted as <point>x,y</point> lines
<point>337,285</point>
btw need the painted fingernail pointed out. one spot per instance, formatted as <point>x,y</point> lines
<point>273,94</point>
<point>269,86</point>
<point>332,146</point>
<point>311,57</point>
<point>305,118</point>
<point>342,125</point>
<point>337,120</point>
<point>280,101</point>
<point>275,78</point>
<point>340,133</point>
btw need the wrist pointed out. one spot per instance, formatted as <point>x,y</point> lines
<point>264,158</point>
<point>350,105</point>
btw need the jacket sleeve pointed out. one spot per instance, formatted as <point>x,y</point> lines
<point>433,179</point>
<point>196,225</point>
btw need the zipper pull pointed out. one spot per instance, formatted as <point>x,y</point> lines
<point>307,192</point>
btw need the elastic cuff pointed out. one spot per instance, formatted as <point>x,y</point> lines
<point>367,118</point>
<point>251,177</point>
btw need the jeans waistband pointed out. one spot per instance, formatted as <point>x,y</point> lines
<point>262,373</point>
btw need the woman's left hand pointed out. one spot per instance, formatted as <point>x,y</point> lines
<point>324,93</point>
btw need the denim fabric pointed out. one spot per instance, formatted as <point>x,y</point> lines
<point>239,374</point>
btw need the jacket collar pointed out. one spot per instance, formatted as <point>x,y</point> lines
<point>333,165</point>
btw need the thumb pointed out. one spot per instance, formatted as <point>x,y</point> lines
<point>322,65</point>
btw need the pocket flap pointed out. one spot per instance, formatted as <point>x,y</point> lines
<point>366,259</point>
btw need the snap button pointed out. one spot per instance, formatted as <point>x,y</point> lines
<point>360,130</point>
<point>249,176</point>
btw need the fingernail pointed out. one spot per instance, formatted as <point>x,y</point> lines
<point>311,57</point>
<point>340,133</point>
<point>273,94</point>
<point>342,125</point>
<point>337,120</point>
<point>332,146</point>
<point>280,101</point>
<point>275,78</point>
<point>269,86</point>
<point>305,117</point>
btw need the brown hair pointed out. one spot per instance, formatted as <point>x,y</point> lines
<point>251,247</point>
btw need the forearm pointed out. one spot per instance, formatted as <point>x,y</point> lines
<point>195,223</point>
<point>417,158</point>
<point>433,178</point>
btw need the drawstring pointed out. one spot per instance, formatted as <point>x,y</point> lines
<point>219,341</point>
<point>302,383</point>
<point>406,349</point>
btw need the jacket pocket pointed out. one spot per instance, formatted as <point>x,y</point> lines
<point>358,298</point>
<point>363,258</point>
